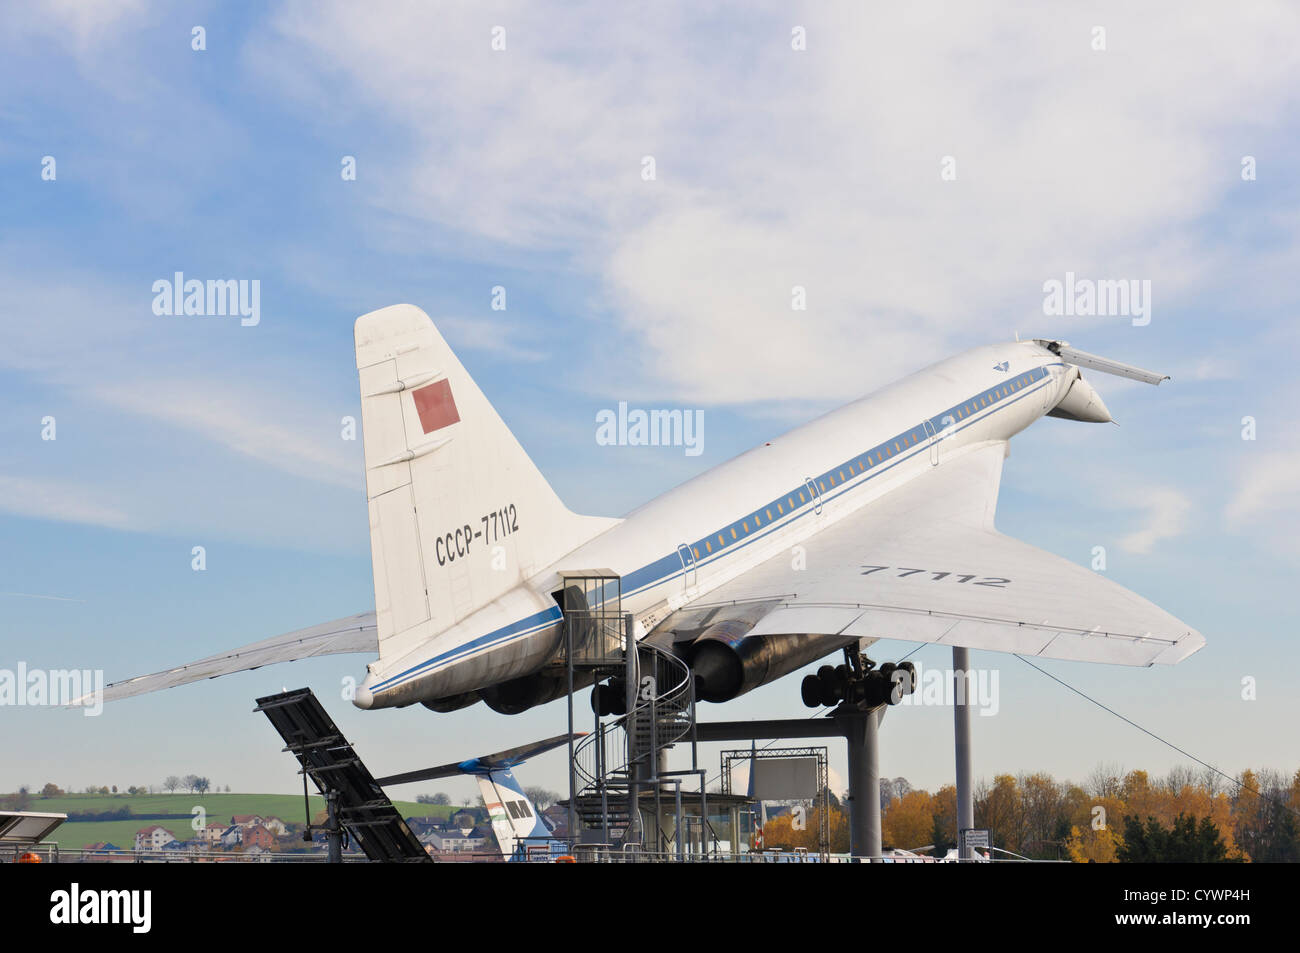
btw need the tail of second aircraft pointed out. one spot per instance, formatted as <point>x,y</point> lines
<point>515,821</point>
<point>519,829</point>
<point>459,514</point>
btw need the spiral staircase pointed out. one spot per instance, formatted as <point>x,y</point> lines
<point>623,761</point>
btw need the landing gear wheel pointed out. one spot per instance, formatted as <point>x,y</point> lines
<point>616,696</point>
<point>829,691</point>
<point>909,685</point>
<point>811,690</point>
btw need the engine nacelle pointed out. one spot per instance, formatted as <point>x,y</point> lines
<point>520,694</point>
<point>728,662</point>
<point>454,703</point>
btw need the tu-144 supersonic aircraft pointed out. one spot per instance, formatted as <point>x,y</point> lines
<point>891,498</point>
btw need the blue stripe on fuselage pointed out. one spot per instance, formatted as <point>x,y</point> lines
<point>670,567</point>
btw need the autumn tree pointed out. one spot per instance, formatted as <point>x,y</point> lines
<point>909,821</point>
<point>1096,835</point>
<point>943,833</point>
<point>1104,781</point>
<point>1264,816</point>
<point>1044,823</point>
<point>998,808</point>
<point>782,831</point>
<point>1088,846</point>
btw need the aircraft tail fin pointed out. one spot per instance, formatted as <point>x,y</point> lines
<point>459,514</point>
<point>516,822</point>
<point>514,817</point>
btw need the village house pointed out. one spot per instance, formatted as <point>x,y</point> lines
<point>152,837</point>
<point>258,836</point>
<point>453,840</point>
<point>210,836</point>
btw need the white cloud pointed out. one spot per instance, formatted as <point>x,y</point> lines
<point>83,336</point>
<point>1266,500</point>
<point>1166,517</point>
<point>819,168</point>
<point>82,24</point>
<point>284,435</point>
<point>507,341</point>
<point>59,500</point>
<point>1262,474</point>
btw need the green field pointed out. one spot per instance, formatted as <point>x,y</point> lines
<point>218,807</point>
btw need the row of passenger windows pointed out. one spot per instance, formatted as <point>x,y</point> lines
<point>992,396</point>
<point>779,508</point>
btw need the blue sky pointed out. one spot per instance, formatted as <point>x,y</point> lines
<point>523,168</point>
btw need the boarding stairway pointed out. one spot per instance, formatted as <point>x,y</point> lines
<point>624,760</point>
<point>625,757</point>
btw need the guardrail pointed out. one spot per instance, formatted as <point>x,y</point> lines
<point>607,854</point>
<point>124,856</point>
<point>581,853</point>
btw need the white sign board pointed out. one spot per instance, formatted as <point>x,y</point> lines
<point>785,779</point>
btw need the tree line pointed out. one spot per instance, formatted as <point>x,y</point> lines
<point>1186,815</point>
<point>192,783</point>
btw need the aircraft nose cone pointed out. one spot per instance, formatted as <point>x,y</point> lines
<point>1095,411</point>
<point>1082,402</point>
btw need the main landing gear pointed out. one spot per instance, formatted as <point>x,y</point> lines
<point>857,681</point>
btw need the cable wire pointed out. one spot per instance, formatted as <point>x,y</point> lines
<point>1170,744</point>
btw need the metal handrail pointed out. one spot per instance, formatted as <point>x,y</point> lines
<point>593,766</point>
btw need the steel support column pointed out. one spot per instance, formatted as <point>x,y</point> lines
<point>961,737</point>
<point>860,729</point>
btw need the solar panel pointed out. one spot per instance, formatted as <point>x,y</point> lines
<point>27,827</point>
<point>311,736</point>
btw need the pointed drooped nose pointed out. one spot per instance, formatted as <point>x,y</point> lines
<point>1081,402</point>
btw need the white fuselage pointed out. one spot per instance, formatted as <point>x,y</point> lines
<point>704,533</point>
